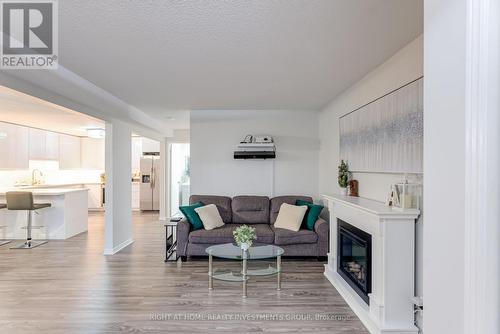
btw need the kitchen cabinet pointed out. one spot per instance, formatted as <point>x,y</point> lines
<point>149,145</point>
<point>94,196</point>
<point>67,217</point>
<point>37,144</point>
<point>136,153</point>
<point>14,147</point>
<point>136,195</point>
<point>43,145</point>
<point>51,145</point>
<point>92,153</point>
<point>69,152</point>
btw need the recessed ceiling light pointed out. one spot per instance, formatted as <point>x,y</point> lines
<point>3,135</point>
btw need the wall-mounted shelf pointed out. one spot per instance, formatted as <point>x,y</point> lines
<point>256,147</point>
<point>255,151</point>
<point>254,154</point>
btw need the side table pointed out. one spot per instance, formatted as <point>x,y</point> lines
<point>171,241</point>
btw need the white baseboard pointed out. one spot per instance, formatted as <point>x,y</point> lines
<point>116,249</point>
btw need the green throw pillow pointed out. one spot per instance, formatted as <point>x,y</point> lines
<point>192,216</point>
<point>312,213</point>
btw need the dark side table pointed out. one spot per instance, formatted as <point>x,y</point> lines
<point>171,240</point>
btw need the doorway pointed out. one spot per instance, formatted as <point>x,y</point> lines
<point>179,177</point>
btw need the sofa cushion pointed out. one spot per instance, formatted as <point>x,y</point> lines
<point>224,234</point>
<point>287,237</point>
<point>250,209</point>
<point>277,201</point>
<point>223,204</point>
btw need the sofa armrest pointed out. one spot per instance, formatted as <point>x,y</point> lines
<point>183,229</point>
<point>322,229</point>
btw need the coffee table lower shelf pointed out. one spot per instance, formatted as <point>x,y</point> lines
<point>244,275</point>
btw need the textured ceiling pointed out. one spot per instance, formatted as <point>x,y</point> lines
<point>166,57</point>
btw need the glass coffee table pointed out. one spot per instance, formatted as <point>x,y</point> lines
<point>233,252</point>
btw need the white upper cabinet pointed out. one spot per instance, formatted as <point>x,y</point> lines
<point>51,145</point>
<point>22,144</point>
<point>92,153</point>
<point>14,147</point>
<point>43,145</point>
<point>149,145</point>
<point>37,144</point>
<point>136,153</point>
<point>69,152</point>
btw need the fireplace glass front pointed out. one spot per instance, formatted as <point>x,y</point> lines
<point>354,258</point>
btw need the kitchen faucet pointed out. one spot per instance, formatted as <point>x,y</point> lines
<point>34,181</point>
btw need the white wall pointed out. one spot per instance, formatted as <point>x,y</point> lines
<point>444,166</point>
<point>215,135</point>
<point>406,65</point>
<point>403,67</point>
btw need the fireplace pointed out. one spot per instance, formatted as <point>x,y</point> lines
<point>354,258</point>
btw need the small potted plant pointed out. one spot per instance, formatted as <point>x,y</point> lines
<point>343,177</point>
<point>244,236</point>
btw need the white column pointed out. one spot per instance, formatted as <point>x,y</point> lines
<point>164,180</point>
<point>444,166</point>
<point>482,168</point>
<point>118,224</point>
<point>461,166</point>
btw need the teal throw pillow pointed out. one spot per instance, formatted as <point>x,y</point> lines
<point>312,213</point>
<point>192,216</point>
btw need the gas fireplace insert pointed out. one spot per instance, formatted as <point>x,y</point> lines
<point>354,250</point>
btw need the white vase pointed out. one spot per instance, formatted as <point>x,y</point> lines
<point>245,246</point>
<point>343,191</point>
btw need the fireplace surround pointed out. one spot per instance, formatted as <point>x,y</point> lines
<point>389,308</point>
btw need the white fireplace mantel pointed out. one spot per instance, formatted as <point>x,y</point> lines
<point>393,256</point>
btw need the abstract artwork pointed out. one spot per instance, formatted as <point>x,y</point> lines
<point>386,135</point>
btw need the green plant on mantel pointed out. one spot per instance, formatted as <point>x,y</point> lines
<point>244,235</point>
<point>343,178</point>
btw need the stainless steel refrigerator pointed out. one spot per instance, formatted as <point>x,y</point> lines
<point>149,191</point>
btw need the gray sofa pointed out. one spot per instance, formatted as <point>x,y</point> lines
<point>259,212</point>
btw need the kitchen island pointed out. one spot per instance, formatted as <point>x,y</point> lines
<point>67,216</point>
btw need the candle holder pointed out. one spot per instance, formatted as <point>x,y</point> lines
<point>409,196</point>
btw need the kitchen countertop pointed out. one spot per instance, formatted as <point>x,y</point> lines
<point>53,185</point>
<point>44,191</point>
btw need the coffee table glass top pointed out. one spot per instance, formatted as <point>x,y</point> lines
<point>231,251</point>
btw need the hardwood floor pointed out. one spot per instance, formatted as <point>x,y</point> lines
<point>70,287</point>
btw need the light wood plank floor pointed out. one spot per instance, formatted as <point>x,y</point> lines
<point>70,287</point>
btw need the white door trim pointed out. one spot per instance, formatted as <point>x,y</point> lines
<point>482,153</point>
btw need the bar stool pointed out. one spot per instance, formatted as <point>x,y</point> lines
<point>23,200</point>
<point>3,242</point>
